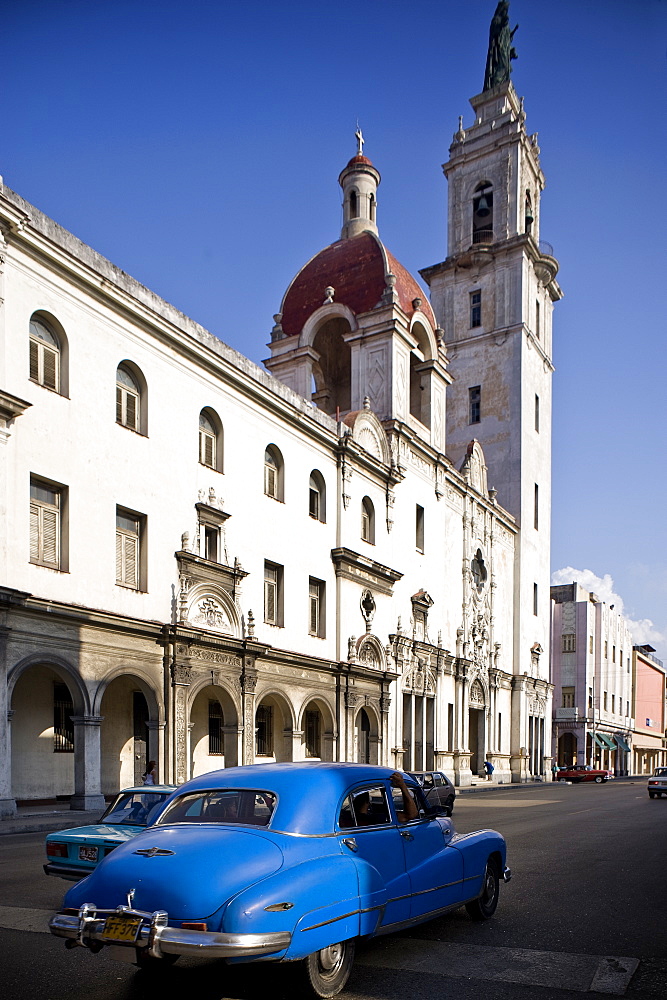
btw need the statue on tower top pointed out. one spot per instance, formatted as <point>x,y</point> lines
<point>501,52</point>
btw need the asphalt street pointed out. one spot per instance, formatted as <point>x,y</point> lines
<point>585,912</point>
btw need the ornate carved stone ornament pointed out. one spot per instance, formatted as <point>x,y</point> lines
<point>352,699</point>
<point>368,607</point>
<point>369,434</point>
<point>419,679</point>
<point>477,699</point>
<point>473,467</point>
<point>209,608</point>
<point>370,653</point>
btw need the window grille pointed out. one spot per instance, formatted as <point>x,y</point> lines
<point>63,727</point>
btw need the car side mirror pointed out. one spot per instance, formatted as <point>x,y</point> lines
<point>436,810</point>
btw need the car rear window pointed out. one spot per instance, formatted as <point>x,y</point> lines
<point>134,809</point>
<point>246,807</point>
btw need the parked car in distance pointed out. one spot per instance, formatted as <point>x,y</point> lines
<point>72,854</point>
<point>437,788</point>
<point>657,783</point>
<point>583,772</point>
<point>289,862</point>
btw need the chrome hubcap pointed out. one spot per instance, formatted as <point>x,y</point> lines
<point>330,958</point>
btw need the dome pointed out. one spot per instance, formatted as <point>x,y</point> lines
<point>357,271</point>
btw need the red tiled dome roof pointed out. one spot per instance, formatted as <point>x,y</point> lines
<point>356,268</point>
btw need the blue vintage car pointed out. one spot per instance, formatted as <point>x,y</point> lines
<point>283,862</point>
<point>72,854</point>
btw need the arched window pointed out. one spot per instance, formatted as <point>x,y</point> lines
<point>317,497</point>
<point>419,378</point>
<point>354,204</point>
<point>529,216</point>
<point>129,398</point>
<point>371,201</point>
<point>368,521</point>
<point>482,213</point>
<point>274,473</point>
<point>45,354</point>
<point>210,440</point>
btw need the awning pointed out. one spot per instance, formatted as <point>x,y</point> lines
<point>600,742</point>
<point>622,743</point>
<point>607,741</point>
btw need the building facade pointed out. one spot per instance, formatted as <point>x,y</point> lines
<point>609,696</point>
<point>344,557</point>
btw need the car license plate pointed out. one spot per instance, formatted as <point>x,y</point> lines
<point>119,928</point>
<point>87,854</point>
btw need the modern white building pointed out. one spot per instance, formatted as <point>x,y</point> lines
<point>592,662</point>
<point>344,557</point>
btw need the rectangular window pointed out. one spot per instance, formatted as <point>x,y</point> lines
<point>211,539</point>
<point>500,732</point>
<point>604,701</point>
<point>129,528</point>
<point>606,650</point>
<point>216,746</point>
<point>313,734</point>
<point>590,644</point>
<point>63,727</point>
<point>569,643</point>
<point>314,503</point>
<point>46,503</point>
<point>613,654</point>
<point>613,704</point>
<point>590,698</point>
<point>534,598</point>
<point>475,404</point>
<point>537,414</point>
<point>450,726</point>
<point>567,696</point>
<point>273,593</point>
<point>537,320</point>
<point>536,511</point>
<point>264,730</point>
<point>475,308</point>
<point>315,607</point>
<point>419,529</point>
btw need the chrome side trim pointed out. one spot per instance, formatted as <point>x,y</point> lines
<point>343,916</point>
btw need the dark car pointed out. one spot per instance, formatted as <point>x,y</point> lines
<point>438,789</point>
<point>583,772</point>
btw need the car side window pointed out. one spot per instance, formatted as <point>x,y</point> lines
<point>397,797</point>
<point>365,807</point>
<point>438,780</point>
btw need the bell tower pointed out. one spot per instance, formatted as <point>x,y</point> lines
<point>493,296</point>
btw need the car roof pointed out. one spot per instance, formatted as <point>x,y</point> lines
<point>147,788</point>
<point>309,792</point>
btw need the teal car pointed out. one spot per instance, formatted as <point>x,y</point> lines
<point>73,854</point>
<point>289,862</point>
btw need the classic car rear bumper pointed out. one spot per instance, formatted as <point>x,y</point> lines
<point>87,928</point>
<point>70,872</point>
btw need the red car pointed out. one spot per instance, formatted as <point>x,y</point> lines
<point>583,772</point>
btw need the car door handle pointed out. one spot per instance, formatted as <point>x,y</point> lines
<point>406,835</point>
<point>351,843</point>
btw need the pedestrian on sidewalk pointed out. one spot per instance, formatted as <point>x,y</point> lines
<point>488,770</point>
<point>149,774</point>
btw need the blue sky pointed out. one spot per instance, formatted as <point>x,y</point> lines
<point>198,147</point>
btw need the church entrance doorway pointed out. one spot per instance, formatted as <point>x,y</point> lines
<point>477,740</point>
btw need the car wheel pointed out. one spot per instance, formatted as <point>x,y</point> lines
<point>598,779</point>
<point>651,795</point>
<point>327,971</point>
<point>484,907</point>
<point>564,780</point>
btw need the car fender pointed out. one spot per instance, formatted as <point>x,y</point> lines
<point>476,849</point>
<point>317,901</point>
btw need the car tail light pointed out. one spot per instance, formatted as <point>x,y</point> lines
<point>195,925</point>
<point>55,850</point>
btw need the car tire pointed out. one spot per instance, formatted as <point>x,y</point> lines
<point>485,905</point>
<point>563,781</point>
<point>652,795</point>
<point>598,779</point>
<point>325,972</point>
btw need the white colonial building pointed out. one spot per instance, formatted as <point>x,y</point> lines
<point>344,558</point>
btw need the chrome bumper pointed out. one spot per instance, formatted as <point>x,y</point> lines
<point>507,874</point>
<point>87,928</point>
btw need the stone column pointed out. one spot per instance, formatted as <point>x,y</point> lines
<point>248,684</point>
<point>385,705</point>
<point>180,682</point>
<point>294,748</point>
<point>7,801</point>
<point>351,704</point>
<point>87,763</point>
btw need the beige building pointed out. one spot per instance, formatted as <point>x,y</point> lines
<point>207,563</point>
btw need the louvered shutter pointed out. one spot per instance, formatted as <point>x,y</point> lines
<point>119,557</point>
<point>50,361</point>
<point>270,601</point>
<point>34,361</point>
<point>209,451</point>
<point>50,537</point>
<point>119,405</point>
<point>34,533</point>
<point>270,481</point>
<point>131,568</point>
<point>131,411</point>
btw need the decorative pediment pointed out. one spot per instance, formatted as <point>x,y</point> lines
<point>419,679</point>
<point>473,467</point>
<point>212,609</point>
<point>368,433</point>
